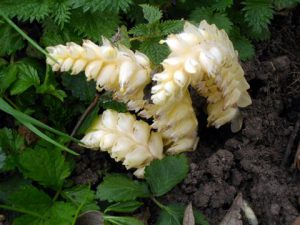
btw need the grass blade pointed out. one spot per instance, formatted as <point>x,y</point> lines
<point>4,106</point>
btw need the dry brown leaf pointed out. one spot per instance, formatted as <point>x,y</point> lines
<point>189,218</point>
<point>90,218</point>
<point>233,216</point>
<point>297,221</point>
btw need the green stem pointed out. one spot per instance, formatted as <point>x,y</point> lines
<point>21,211</point>
<point>77,213</point>
<point>26,37</point>
<point>47,74</point>
<point>56,195</point>
<point>160,205</point>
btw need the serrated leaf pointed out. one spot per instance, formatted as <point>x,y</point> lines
<point>220,19</point>
<point>11,144</point>
<point>151,13</point>
<point>242,45</point>
<point>46,166</point>
<point>221,5</point>
<point>10,40</point>
<point>60,213</point>
<point>120,220</point>
<point>27,77</point>
<point>124,207</point>
<point>140,30</point>
<point>94,25</point>
<point>163,175</point>
<point>258,14</point>
<point>79,87</point>
<point>155,51</point>
<point>102,5</point>
<point>11,185</point>
<point>54,35</point>
<point>62,12</point>
<point>7,76</point>
<point>171,26</point>
<point>26,9</point>
<point>30,198</point>
<point>81,196</point>
<point>120,188</point>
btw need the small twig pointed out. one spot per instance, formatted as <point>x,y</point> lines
<point>85,114</point>
<point>297,157</point>
<point>290,143</point>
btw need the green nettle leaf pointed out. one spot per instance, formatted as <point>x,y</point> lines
<point>242,45</point>
<point>171,26</point>
<point>62,12</point>
<point>124,207</point>
<point>60,213</point>
<point>81,196</point>
<point>258,14</point>
<point>79,87</point>
<point>30,198</point>
<point>102,5</point>
<point>118,220</point>
<point>151,13</point>
<point>174,216</point>
<point>46,166</point>
<point>94,25</point>
<point>54,35</point>
<point>26,9</point>
<point>11,144</point>
<point>163,175</point>
<point>155,51</point>
<point>141,30</point>
<point>10,40</point>
<point>27,77</point>
<point>222,5</point>
<point>10,186</point>
<point>7,76</point>
<point>220,19</point>
<point>120,188</point>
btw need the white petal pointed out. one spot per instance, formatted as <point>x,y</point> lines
<point>92,69</point>
<point>156,145</point>
<point>78,66</point>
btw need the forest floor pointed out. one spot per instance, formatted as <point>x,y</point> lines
<point>259,160</point>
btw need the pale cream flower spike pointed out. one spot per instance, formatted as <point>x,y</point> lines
<point>125,139</point>
<point>118,70</point>
<point>205,58</point>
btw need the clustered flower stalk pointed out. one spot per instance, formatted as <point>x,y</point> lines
<point>202,57</point>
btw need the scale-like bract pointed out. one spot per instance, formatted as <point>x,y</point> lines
<point>125,139</point>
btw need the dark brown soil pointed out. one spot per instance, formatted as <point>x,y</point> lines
<point>252,160</point>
